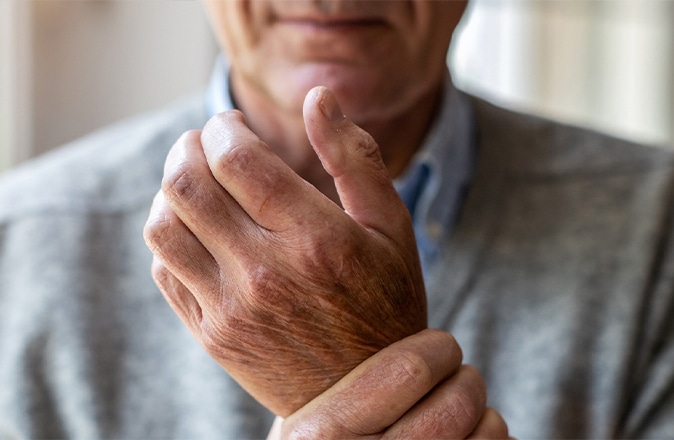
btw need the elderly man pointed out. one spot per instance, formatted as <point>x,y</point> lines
<point>306,283</point>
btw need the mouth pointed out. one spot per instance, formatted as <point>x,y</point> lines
<point>320,24</point>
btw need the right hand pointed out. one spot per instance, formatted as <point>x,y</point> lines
<point>284,288</point>
<point>414,389</point>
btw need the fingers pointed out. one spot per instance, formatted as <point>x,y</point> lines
<point>171,241</point>
<point>183,303</point>
<point>194,194</point>
<point>380,390</point>
<point>257,182</point>
<point>352,158</point>
<point>452,410</point>
<point>272,194</point>
<point>491,426</point>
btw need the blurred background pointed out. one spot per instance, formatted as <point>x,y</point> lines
<point>68,67</point>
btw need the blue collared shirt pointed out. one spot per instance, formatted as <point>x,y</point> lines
<point>435,182</point>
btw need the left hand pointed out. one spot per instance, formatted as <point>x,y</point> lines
<point>285,289</point>
<point>415,388</point>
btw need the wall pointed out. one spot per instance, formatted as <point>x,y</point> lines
<point>78,65</point>
<point>605,64</point>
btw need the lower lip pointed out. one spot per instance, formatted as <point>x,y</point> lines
<point>332,27</point>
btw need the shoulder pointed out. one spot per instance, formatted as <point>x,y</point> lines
<point>533,145</point>
<point>114,168</point>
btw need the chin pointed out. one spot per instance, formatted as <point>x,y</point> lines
<point>361,94</point>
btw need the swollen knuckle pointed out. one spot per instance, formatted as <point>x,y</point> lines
<point>237,149</point>
<point>268,294</point>
<point>322,252</point>
<point>236,157</point>
<point>180,183</point>
<point>319,251</point>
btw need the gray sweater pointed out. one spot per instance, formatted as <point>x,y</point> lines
<point>557,283</point>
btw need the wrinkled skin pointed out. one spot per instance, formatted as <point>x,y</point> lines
<point>284,288</point>
<point>414,388</point>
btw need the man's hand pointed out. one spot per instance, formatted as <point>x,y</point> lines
<point>414,389</point>
<point>285,289</point>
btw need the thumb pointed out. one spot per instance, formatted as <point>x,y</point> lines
<point>351,156</point>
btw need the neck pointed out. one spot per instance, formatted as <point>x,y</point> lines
<point>283,130</point>
<point>401,136</point>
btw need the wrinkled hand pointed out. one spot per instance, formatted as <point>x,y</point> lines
<point>414,389</point>
<point>285,289</point>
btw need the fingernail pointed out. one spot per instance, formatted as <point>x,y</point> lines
<point>330,107</point>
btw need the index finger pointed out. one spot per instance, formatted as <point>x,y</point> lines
<point>271,193</point>
<point>381,389</point>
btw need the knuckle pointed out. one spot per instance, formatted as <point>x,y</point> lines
<point>158,233</point>
<point>179,175</point>
<point>326,253</point>
<point>360,145</point>
<point>262,281</point>
<point>268,295</point>
<point>164,235</point>
<point>458,415</point>
<point>365,143</point>
<point>456,408</point>
<point>411,371</point>
<point>237,148</point>
<point>243,159</point>
<point>220,126</point>
<point>334,244</point>
<point>465,405</point>
<point>237,157</point>
<point>180,182</point>
<point>211,338</point>
<point>367,147</point>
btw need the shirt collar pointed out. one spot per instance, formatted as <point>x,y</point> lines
<point>447,155</point>
<point>218,95</point>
